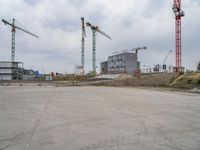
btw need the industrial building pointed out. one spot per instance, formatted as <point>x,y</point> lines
<point>120,63</point>
<point>15,71</point>
<point>104,67</point>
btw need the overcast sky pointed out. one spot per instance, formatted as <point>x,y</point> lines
<point>130,23</point>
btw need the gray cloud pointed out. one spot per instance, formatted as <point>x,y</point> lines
<point>130,23</point>
<point>31,2</point>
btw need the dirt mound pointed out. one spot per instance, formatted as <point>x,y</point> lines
<point>125,76</point>
<point>161,79</point>
<point>186,81</point>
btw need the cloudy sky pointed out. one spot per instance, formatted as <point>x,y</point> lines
<point>130,23</point>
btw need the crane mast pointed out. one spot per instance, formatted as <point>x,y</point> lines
<point>13,41</point>
<point>83,43</point>
<point>178,15</point>
<point>13,30</point>
<point>137,49</point>
<point>94,30</point>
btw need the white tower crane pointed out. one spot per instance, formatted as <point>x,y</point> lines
<point>14,27</point>
<point>94,30</point>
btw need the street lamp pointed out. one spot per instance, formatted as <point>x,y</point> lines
<point>164,65</point>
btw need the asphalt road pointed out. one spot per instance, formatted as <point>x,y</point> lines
<point>98,118</point>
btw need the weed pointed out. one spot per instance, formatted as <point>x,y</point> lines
<point>189,81</point>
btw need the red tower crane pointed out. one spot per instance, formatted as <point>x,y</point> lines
<point>178,15</point>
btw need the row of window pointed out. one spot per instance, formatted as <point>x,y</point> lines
<point>116,58</point>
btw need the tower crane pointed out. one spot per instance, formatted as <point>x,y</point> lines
<point>14,27</point>
<point>137,72</point>
<point>94,30</point>
<point>178,15</point>
<point>137,49</point>
<point>83,43</point>
<point>132,50</point>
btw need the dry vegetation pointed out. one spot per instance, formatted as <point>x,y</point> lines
<point>186,81</point>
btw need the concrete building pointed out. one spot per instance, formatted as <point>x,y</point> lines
<point>104,67</point>
<point>120,63</point>
<point>10,70</point>
<point>15,71</point>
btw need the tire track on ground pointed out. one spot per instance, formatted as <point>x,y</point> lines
<point>49,99</point>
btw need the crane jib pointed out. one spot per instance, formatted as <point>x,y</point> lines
<point>16,27</point>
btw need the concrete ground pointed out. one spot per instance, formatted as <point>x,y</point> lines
<point>98,118</point>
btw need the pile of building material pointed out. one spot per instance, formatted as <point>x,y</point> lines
<point>162,79</point>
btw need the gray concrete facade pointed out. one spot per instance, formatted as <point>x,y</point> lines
<point>10,70</point>
<point>122,63</point>
<point>15,71</point>
<point>104,67</point>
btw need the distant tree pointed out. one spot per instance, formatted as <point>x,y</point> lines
<point>198,66</point>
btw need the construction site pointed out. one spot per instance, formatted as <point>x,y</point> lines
<point>118,100</point>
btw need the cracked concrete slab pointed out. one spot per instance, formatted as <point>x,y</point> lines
<point>98,118</point>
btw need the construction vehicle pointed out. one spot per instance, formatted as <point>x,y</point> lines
<point>14,27</point>
<point>178,15</point>
<point>94,30</point>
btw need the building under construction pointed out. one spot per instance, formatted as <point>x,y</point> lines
<point>15,71</point>
<point>120,63</point>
